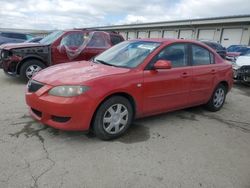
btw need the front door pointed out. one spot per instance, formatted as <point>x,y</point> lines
<point>168,89</point>
<point>68,48</point>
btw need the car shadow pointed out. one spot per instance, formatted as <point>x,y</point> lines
<point>139,131</point>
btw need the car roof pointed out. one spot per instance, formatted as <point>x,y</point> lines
<point>168,40</point>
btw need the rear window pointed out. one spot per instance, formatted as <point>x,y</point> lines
<point>116,39</point>
<point>201,56</point>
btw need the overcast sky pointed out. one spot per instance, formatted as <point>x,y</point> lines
<point>64,14</point>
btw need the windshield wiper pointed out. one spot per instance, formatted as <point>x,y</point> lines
<point>103,62</point>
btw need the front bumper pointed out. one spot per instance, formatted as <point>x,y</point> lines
<point>62,113</point>
<point>243,73</point>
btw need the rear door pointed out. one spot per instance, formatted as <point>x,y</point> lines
<point>168,89</point>
<point>204,70</point>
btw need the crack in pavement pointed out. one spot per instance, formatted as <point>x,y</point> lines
<point>28,132</point>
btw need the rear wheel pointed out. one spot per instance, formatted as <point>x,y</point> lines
<point>218,98</point>
<point>113,118</point>
<point>29,68</point>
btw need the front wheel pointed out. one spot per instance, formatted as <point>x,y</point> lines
<point>218,98</point>
<point>113,118</point>
<point>29,68</point>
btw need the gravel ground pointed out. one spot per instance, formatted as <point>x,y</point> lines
<point>187,148</point>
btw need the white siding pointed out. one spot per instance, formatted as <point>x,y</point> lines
<point>132,35</point>
<point>169,34</point>
<point>231,36</point>
<point>186,34</point>
<point>206,34</point>
<point>155,34</point>
<point>142,34</point>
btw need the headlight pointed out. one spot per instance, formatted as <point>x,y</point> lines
<point>5,54</point>
<point>235,66</point>
<point>68,91</point>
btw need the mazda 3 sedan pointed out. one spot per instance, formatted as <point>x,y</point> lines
<point>131,80</point>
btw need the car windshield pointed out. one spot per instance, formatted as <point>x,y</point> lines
<point>51,37</point>
<point>127,54</point>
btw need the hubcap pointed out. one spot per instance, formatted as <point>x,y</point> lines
<point>115,118</point>
<point>219,97</point>
<point>31,70</point>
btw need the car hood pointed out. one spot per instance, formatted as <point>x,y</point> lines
<point>10,46</point>
<point>76,73</point>
<point>243,60</point>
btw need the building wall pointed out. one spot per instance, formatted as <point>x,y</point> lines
<point>227,34</point>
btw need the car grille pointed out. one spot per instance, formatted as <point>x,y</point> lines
<point>34,86</point>
<point>245,69</point>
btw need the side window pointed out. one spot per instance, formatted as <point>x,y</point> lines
<point>201,56</point>
<point>115,39</point>
<point>176,53</point>
<point>99,40</point>
<point>29,37</point>
<point>73,40</point>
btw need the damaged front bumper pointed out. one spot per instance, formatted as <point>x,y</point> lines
<point>242,73</point>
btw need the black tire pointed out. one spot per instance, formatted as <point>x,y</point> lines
<point>214,106</point>
<point>26,65</point>
<point>103,112</point>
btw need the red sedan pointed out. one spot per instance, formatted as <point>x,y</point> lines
<point>131,80</point>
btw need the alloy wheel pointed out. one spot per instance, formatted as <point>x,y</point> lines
<point>31,70</point>
<point>115,118</point>
<point>219,97</point>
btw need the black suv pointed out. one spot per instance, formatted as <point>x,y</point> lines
<point>13,37</point>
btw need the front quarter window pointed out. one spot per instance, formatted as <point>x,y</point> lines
<point>127,54</point>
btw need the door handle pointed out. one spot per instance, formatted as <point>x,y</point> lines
<point>184,75</point>
<point>213,71</point>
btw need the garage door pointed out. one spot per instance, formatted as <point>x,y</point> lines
<point>169,34</point>
<point>231,36</point>
<point>132,35</point>
<point>206,34</point>
<point>142,34</point>
<point>155,34</point>
<point>186,34</point>
<point>124,34</point>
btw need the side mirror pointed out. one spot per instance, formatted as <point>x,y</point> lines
<point>163,64</point>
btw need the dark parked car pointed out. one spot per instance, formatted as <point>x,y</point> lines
<point>234,48</point>
<point>217,47</point>
<point>26,59</point>
<point>34,40</point>
<point>235,52</point>
<point>12,37</point>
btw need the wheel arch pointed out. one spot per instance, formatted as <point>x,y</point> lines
<point>27,59</point>
<point>225,84</point>
<point>126,95</point>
